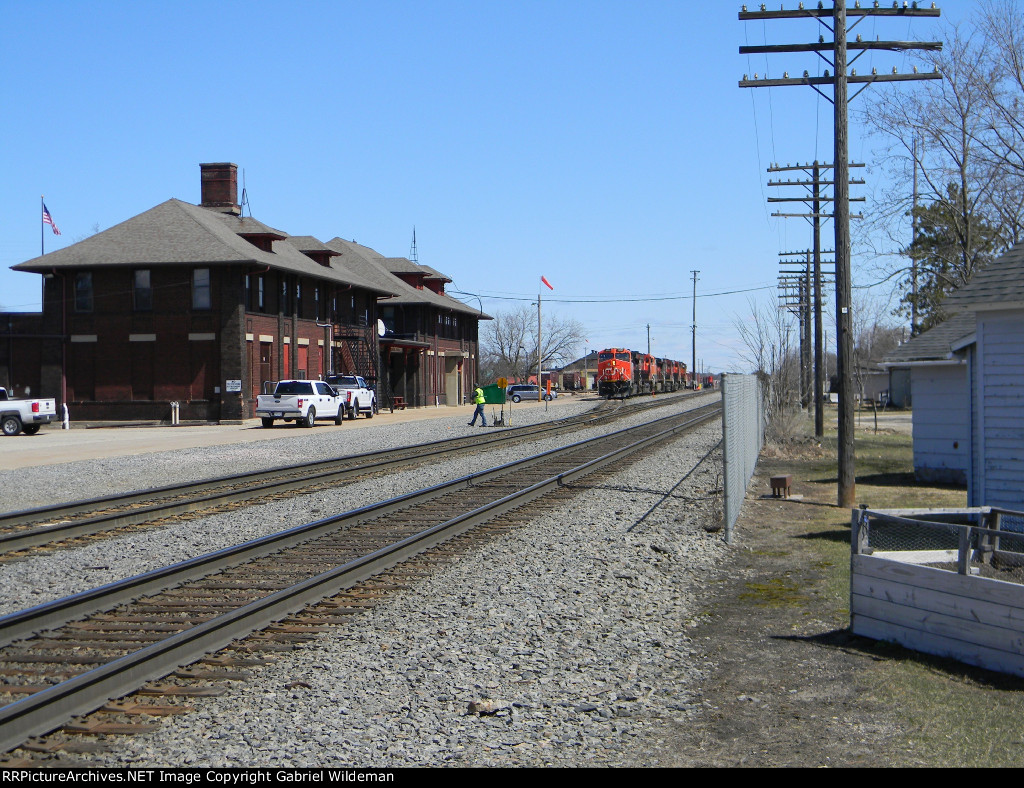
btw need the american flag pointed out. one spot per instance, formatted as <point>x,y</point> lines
<point>47,219</point>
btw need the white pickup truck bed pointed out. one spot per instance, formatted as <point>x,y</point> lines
<point>302,401</point>
<point>25,415</point>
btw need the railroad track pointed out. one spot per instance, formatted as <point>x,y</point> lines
<point>71,656</point>
<point>57,525</point>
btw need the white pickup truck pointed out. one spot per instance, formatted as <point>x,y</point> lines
<point>25,415</point>
<point>301,401</point>
<point>359,398</point>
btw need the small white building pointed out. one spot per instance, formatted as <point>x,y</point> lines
<point>937,360</point>
<point>995,363</point>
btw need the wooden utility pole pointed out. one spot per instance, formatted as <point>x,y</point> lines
<point>815,197</point>
<point>798,295</point>
<point>914,252</point>
<point>840,84</point>
<point>693,328</point>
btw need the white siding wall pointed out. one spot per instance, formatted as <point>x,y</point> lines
<point>974,476</point>
<point>942,423</point>
<point>1001,408</point>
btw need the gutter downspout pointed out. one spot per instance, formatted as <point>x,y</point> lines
<point>63,346</point>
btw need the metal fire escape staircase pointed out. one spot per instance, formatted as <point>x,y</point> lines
<point>358,355</point>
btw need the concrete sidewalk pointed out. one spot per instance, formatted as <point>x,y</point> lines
<point>53,445</point>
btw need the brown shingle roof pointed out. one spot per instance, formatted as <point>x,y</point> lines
<point>936,344</point>
<point>178,233</point>
<point>1000,284</point>
<point>375,267</point>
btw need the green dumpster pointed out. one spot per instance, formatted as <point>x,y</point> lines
<point>494,394</point>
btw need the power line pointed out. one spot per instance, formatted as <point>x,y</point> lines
<point>835,21</point>
<point>617,299</point>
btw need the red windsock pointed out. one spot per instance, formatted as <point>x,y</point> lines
<point>545,281</point>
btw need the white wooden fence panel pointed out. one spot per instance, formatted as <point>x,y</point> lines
<point>990,659</point>
<point>976,620</point>
<point>929,601</point>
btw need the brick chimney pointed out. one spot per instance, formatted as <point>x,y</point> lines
<point>219,183</point>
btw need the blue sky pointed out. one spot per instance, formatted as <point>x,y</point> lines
<point>603,145</point>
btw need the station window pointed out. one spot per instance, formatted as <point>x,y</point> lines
<point>142,291</point>
<point>201,289</point>
<point>83,292</point>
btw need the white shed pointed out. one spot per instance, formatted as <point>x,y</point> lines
<point>996,368</point>
<point>937,361</point>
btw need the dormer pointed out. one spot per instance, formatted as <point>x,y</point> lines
<point>317,251</point>
<point>434,280</point>
<point>414,280</point>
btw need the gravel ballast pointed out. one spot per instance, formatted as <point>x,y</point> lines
<point>569,634</point>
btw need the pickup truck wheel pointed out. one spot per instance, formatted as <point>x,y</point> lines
<point>353,411</point>
<point>267,422</point>
<point>310,418</point>
<point>11,425</point>
<point>339,415</point>
<point>30,429</point>
<point>369,413</point>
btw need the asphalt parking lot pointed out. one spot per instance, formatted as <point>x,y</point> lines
<point>52,445</point>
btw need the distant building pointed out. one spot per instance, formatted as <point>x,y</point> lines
<point>583,372</point>
<point>199,305</point>
<point>995,364</point>
<point>937,363</point>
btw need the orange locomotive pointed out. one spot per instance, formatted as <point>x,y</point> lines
<point>624,373</point>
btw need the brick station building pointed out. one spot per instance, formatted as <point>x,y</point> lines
<point>200,305</point>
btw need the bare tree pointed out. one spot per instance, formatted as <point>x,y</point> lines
<point>874,336</point>
<point>963,139</point>
<point>767,334</point>
<point>939,132</point>
<point>508,344</point>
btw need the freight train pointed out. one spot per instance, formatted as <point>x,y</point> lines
<point>624,373</point>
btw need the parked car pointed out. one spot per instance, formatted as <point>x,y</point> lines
<point>25,415</point>
<point>519,392</point>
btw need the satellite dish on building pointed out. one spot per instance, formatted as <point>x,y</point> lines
<point>381,328</point>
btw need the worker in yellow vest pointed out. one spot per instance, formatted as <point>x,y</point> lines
<point>478,398</point>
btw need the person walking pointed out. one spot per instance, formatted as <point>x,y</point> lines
<point>478,398</point>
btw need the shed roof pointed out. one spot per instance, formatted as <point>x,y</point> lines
<point>936,344</point>
<point>999,285</point>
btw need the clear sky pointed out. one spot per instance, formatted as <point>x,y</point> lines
<point>604,145</point>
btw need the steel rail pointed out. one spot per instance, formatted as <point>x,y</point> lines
<point>32,621</point>
<point>43,711</point>
<point>248,485</point>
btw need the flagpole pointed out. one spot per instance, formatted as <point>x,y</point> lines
<point>42,234</point>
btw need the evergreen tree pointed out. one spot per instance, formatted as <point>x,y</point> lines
<point>953,242</point>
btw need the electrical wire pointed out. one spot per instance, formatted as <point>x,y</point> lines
<point>619,299</point>
<point>757,138</point>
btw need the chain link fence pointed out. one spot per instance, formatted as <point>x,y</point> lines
<point>743,424</point>
<point>981,541</point>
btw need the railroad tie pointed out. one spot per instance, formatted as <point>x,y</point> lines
<point>147,709</point>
